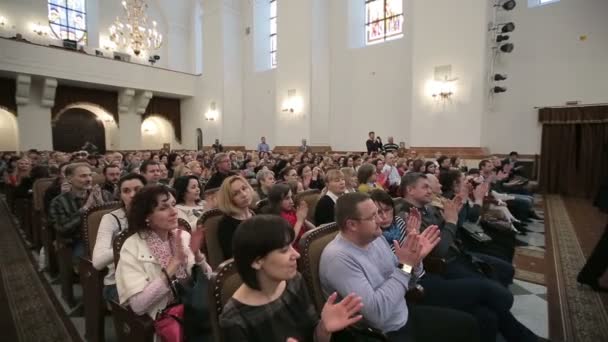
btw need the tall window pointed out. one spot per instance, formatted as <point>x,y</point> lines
<point>67,19</point>
<point>273,33</point>
<point>383,20</point>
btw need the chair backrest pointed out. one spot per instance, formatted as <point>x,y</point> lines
<point>210,223</point>
<point>311,197</point>
<point>38,189</point>
<point>224,282</point>
<point>119,240</point>
<point>90,224</point>
<point>184,225</point>
<point>312,244</point>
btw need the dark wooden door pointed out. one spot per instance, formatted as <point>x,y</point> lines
<point>74,128</point>
<point>199,139</point>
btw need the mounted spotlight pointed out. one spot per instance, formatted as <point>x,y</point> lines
<point>508,27</point>
<point>500,77</point>
<point>497,90</point>
<point>507,5</point>
<point>501,38</point>
<point>507,48</point>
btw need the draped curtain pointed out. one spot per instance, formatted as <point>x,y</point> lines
<point>574,150</point>
<point>68,95</point>
<point>7,95</point>
<point>169,109</point>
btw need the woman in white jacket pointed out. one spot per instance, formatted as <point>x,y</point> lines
<point>110,226</point>
<point>157,254</point>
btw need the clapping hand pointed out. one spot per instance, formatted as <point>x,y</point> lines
<point>451,208</point>
<point>410,252</point>
<point>337,316</point>
<point>196,240</point>
<point>413,221</point>
<point>428,239</point>
<point>480,192</point>
<point>302,211</point>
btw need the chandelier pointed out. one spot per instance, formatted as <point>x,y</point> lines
<point>132,30</point>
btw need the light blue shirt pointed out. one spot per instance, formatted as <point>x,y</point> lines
<point>393,175</point>
<point>371,273</point>
<point>263,147</point>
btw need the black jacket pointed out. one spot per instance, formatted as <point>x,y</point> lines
<point>324,211</point>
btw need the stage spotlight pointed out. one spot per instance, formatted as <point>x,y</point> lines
<point>499,77</point>
<point>509,5</point>
<point>497,90</point>
<point>508,27</point>
<point>507,48</point>
<point>501,38</point>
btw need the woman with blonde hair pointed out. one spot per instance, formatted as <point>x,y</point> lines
<point>233,199</point>
<point>350,176</point>
<point>180,171</point>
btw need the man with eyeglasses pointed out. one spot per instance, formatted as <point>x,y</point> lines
<point>222,164</point>
<point>360,261</point>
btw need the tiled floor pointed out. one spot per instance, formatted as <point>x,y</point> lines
<point>530,306</point>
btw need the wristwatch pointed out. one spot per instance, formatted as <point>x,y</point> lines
<point>406,268</point>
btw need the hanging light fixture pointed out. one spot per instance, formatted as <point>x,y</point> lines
<point>133,30</point>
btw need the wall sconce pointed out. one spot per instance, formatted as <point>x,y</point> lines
<point>2,22</point>
<point>443,89</point>
<point>293,103</point>
<point>212,113</point>
<point>108,119</point>
<point>149,127</point>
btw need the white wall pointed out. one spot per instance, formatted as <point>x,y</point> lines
<point>34,121</point>
<point>9,134</point>
<point>549,66</point>
<point>452,33</point>
<point>370,85</point>
<point>156,131</point>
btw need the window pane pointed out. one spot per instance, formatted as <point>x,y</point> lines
<point>273,43</point>
<point>58,2</point>
<point>375,32</point>
<point>273,26</point>
<point>55,14</point>
<point>76,20</point>
<point>273,9</point>
<point>80,35</point>
<point>394,7</point>
<point>394,26</point>
<point>77,5</point>
<point>374,10</point>
<point>56,30</point>
<point>273,59</point>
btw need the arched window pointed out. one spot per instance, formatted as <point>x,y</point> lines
<point>383,20</point>
<point>68,19</point>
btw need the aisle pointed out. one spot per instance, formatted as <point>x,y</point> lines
<point>28,310</point>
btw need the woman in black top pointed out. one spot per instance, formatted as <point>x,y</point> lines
<point>273,304</point>
<point>234,199</point>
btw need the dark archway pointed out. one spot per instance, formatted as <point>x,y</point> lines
<point>74,127</point>
<point>199,139</point>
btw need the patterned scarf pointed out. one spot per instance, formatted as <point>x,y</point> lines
<point>392,233</point>
<point>163,250</point>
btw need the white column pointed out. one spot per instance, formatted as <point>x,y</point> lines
<point>34,120</point>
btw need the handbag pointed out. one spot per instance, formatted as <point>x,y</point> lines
<point>168,324</point>
<point>475,232</point>
<point>194,295</point>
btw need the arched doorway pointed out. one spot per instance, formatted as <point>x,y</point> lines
<point>199,139</point>
<point>9,133</point>
<point>74,127</point>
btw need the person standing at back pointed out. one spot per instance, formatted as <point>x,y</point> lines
<point>263,146</point>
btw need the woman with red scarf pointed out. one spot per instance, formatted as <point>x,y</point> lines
<point>280,202</point>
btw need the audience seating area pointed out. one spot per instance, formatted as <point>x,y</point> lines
<point>32,214</point>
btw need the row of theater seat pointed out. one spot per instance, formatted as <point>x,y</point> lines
<point>224,281</point>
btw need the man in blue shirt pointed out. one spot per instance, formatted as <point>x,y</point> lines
<point>359,260</point>
<point>263,146</point>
